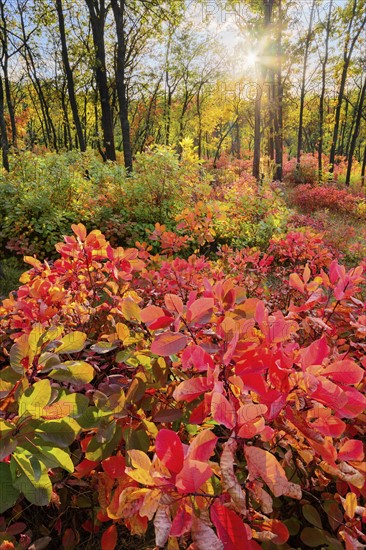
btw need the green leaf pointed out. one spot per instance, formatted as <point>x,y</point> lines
<point>56,458</point>
<point>59,432</point>
<point>72,343</point>
<point>8,493</point>
<point>36,467</point>
<point>36,491</point>
<point>35,340</point>
<point>313,537</point>
<point>6,428</point>
<point>92,417</point>
<point>73,372</point>
<point>311,514</point>
<point>35,398</point>
<point>8,379</point>
<point>48,361</point>
<point>99,451</point>
<point>136,439</point>
<point>293,525</point>
<point>69,405</point>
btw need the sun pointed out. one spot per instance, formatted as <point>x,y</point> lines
<point>251,59</point>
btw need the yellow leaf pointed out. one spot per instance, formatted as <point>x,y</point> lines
<point>350,505</point>
<point>150,504</point>
<point>33,341</point>
<point>72,343</point>
<point>122,331</point>
<point>130,309</point>
<point>139,459</point>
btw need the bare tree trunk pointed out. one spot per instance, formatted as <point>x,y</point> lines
<point>69,77</point>
<point>363,169</point>
<point>97,12</point>
<point>4,136</point>
<point>4,65</point>
<point>322,95</point>
<point>355,133</point>
<point>118,7</point>
<point>268,5</point>
<point>347,54</point>
<point>278,121</point>
<point>303,84</point>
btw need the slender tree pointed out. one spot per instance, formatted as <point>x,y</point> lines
<point>355,132</point>
<point>98,12</point>
<point>119,7</point>
<point>303,85</point>
<point>69,76</point>
<point>324,64</point>
<point>349,44</point>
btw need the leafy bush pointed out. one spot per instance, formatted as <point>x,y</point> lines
<point>310,199</point>
<point>141,390</point>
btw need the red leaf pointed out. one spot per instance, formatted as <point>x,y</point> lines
<point>150,313</point>
<point>161,322</point>
<point>195,356</point>
<point>202,446</point>
<point>69,539</point>
<point>109,538</point>
<point>330,425</point>
<point>223,411</point>
<point>182,521</point>
<point>173,303</point>
<point>346,372</point>
<point>193,474</point>
<point>169,449</point>
<point>315,353</point>
<point>351,450</point>
<point>329,394</point>
<point>200,311</point>
<point>85,467</point>
<point>356,404</point>
<point>230,528</point>
<point>277,528</point>
<point>168,343</point>
<point>188,390</point>
<point>114,466</point>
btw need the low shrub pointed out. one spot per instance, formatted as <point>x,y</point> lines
<point>141,390</point>
<point>310,199</point>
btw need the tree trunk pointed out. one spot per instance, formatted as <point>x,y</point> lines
<point>4,136</point>
<point>347,54</point>
<point>119,17</point>
<point>278,121</point>
<point>69,77</point>
<point>268,5</point>
<point>4,65</point>
<point>355,133</point>
<point>303,83</point>
<point>363,169</point>
<point>97,12</point>
<point>322,95</point>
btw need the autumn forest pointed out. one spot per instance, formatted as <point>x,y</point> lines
<point>182,274</point>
